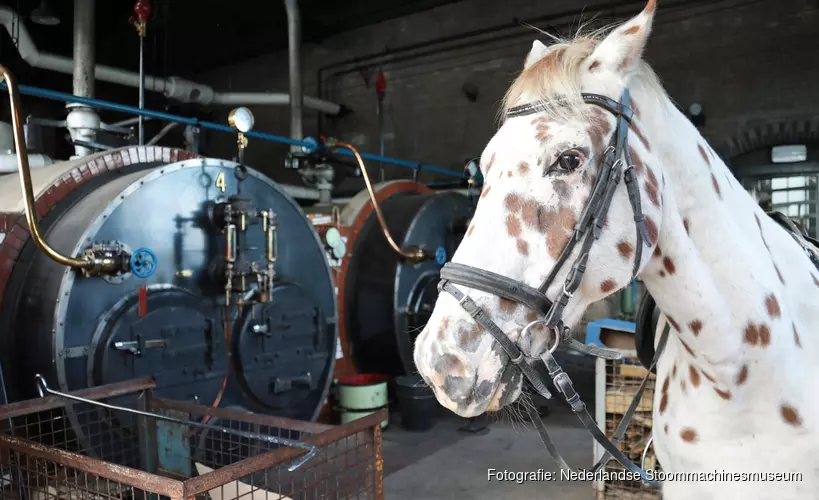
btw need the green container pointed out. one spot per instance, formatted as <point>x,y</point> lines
<point>361,395</point>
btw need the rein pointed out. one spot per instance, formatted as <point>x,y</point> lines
<point>615,164</point>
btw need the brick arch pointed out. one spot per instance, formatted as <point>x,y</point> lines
<point>766,134</point>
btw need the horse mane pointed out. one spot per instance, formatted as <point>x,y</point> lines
<point>554,80</point>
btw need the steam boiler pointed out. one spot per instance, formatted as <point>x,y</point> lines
<point>384,297</point>
<point>199,272</point>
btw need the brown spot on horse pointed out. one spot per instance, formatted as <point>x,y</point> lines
<point>599,129</point>
<point>638,162</point>
<point>695,326</point>
<point>704,155</point>
<point>594,65</point>
<point>669,266</point>
<point>632,30</point>
<point>723,394</point>
<point>688,435</point>
<point>559,227</point>
<point>625,249</point>
<point>651,230</point>
<point>663,402</point>
<point>716,186</point>
<point>652,179</point>
<point>507,306</point>
<point>542,128</point>
<point>489,163</point>
<point>673,323</point>
<point>469,336</point>
<point>513,226</point>
<point>485,191</point>
<point>523,168</point>
<point>796,336</point>
<point>790,415</point>
<point>764,335</point>
<point>523,247</point>
<point>695,376</point>
<point>685,225</point>
<point>653,195</point>
<point>751,334</point>
<point>742,376</point>
<point>471,228</point>
<point>607,286</point>
<point>513,202</point>
<point>772,305</point>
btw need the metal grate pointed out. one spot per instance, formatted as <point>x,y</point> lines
<point>60,449</point>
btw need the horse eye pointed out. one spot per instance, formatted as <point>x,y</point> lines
<point>570,160</point>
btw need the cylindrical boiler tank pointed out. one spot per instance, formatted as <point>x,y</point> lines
<point>86,331</point>
<point>384,301</point>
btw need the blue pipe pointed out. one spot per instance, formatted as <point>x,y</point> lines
<point>310,144</point>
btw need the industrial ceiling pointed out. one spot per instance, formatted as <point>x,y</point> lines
<point>186,37</point>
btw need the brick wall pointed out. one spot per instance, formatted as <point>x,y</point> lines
<point>745,61</point>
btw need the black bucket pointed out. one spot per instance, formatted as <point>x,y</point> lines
<point>416,403</point>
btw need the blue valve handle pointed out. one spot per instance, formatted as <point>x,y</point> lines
<point>143,262</point>
<point>440,256</point>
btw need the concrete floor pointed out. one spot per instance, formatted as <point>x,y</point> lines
<point>443,463</point>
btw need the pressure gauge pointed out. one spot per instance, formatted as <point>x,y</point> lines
<point>241,119</point>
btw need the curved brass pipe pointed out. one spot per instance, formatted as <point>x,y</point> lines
<point>25,177</point>
<point>414,254</point>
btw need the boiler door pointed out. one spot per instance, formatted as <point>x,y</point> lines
<point>175,341</point>
<point>281,352</point>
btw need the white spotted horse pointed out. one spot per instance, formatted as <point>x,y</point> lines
<point>595,178</point>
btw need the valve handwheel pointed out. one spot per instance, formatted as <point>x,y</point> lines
<point>143,262</point>
<point>440,256</point>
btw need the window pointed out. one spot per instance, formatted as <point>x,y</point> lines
<point>794,196</point>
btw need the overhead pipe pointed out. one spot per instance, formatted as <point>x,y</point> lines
<point>172,87</point>
<point>161,115</point>
<point>294,67</point>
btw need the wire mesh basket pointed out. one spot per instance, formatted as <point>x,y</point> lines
<point>617,381</point>
<point>119,441</point>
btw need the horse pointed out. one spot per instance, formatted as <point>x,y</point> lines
<point>555,230</point>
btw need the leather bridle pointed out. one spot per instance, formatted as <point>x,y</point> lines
<point>587,230</point>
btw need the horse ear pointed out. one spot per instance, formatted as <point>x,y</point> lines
<point>621,50</point>
<point>536,54</point>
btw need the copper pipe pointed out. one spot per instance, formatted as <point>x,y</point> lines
<point>25,177</point>
<point>415,254</point>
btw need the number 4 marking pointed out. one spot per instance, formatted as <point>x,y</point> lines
<point>220,182</point>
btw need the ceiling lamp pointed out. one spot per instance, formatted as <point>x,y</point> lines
<point>44,15</point>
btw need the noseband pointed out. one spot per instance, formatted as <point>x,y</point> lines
<point>587,230</point>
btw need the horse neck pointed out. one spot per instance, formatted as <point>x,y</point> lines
<point>712,274</point>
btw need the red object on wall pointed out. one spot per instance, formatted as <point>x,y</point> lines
<point>142,9</point>
<point>380,84</point>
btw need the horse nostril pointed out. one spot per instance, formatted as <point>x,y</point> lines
<point>457,388</point>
